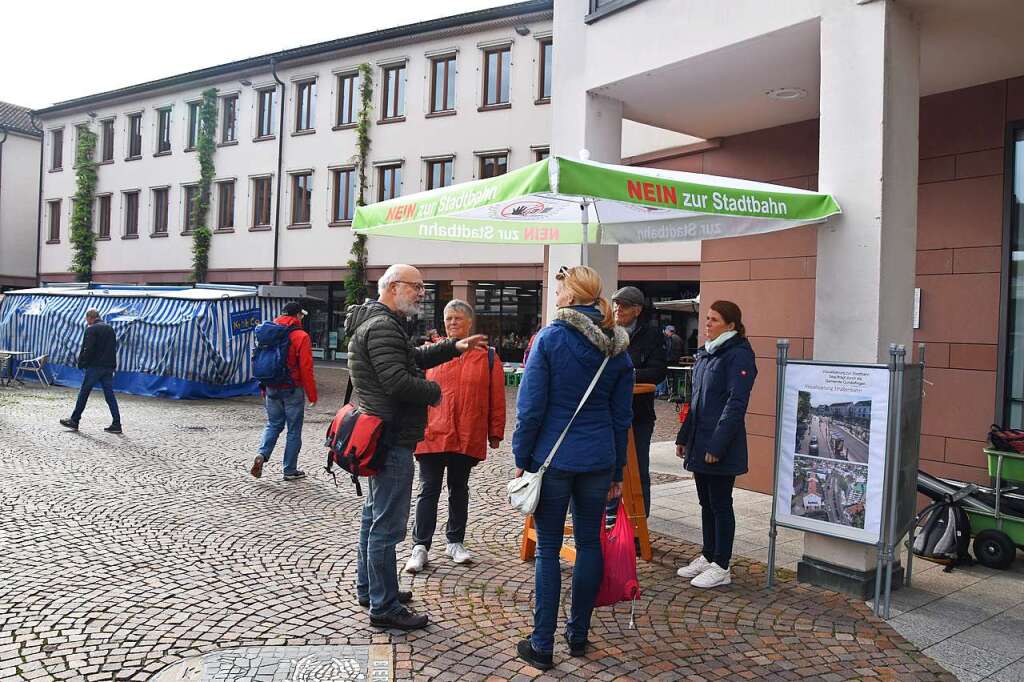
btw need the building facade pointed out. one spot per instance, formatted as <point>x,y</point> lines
<point>911,114</point>
<point>454,100</point>
<point>19,193</point>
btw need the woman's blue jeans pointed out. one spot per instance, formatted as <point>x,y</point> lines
<point>588,492</point>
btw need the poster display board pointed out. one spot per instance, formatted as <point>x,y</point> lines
<point>832,450</point>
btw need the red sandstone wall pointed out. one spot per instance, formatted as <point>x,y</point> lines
<point>960,215</point>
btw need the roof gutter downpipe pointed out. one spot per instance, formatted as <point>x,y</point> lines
<point>39,207</point>
<point>280,160</point>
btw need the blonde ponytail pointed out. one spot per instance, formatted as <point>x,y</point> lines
<point>585,285</point>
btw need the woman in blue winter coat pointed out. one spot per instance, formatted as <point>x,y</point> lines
<point>587,466</point>
<point>713,439</point>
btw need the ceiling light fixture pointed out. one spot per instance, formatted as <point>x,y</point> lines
<point>786,94</point>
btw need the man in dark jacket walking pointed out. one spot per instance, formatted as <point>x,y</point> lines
<point>387,374</point>
<point>98,358</point>
<point>647,351</point>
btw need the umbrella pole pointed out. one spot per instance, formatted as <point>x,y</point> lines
<point>585,223</point>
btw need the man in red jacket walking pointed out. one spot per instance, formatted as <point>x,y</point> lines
<point>286,403</point>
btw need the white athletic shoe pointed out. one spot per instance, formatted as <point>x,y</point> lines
<point>714,576</point>
<point>458,553</point>
<point>417,561</point>
<point>696,567</point>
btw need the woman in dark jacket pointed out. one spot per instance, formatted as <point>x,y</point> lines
<point>587,467</point>
<point>713,439</point>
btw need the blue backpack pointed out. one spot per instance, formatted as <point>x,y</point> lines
<point>270,356</point>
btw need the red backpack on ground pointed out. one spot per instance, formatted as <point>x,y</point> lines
<point>353,442</point>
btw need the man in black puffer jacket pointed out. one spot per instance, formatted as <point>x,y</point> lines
<point>647,351</point>
<point>98,360</point>
<point>387,374</point>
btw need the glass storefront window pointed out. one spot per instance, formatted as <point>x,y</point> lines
<point>509,313</point>
<point>1013,415</point>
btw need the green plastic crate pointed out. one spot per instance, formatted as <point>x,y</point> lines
<point>1013,464</point>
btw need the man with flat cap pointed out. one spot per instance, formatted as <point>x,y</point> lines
<point>647,351</point>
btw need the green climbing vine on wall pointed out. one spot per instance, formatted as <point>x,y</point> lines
<point>83,239</point>
<point>356,284</point>
<point>205,147</point>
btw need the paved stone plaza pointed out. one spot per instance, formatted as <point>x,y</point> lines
<point>124,555</point>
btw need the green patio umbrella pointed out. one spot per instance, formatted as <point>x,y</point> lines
<point>565,201</point>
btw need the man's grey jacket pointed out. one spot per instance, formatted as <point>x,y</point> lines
<point>387,371</point>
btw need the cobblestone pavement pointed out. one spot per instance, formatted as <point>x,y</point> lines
<point>121,555</point>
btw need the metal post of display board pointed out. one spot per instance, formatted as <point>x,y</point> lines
<point>913,522</point>
<point>782,349</point>
<point>880,553</point>
<point>887,557</point>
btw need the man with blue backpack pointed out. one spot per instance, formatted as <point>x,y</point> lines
<point>283,364</point>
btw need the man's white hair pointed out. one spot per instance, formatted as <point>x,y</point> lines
<point>390,276</point>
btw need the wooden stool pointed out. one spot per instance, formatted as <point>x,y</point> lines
<point>632,498</point>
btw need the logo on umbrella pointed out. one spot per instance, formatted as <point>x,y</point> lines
<point>525,209</point>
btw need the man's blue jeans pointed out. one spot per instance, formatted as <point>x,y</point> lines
<point>93,376</point>
<point>384,523</point>
<point>588,492</point>
<point>285,406</point>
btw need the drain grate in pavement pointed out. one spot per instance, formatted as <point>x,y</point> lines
<point>374,663</point>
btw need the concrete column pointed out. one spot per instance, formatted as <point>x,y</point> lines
<point>464,290</point>
<point>866,257</point>
<point>580,120</point>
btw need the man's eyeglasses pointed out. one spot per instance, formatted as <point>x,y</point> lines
<point>417,286</point>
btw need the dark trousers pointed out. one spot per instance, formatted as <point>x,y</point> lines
<point>432,468</point>
<point>93,376</point>
<point>642,433</point>
<point>717,518</point>
<point>588,492</point>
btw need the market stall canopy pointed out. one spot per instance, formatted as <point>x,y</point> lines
<point>682,305</point>
<point>559,200</point>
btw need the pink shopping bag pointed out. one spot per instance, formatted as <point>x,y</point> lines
<point>619,582</point>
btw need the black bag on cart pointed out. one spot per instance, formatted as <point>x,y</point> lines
<point>944,534</point>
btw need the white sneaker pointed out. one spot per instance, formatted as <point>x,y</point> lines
<point>458,553</point>
<point>696,567</point>
<point>714,576</point>
<point>417,561</point>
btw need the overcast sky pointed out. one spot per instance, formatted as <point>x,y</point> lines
<point>64,49</point>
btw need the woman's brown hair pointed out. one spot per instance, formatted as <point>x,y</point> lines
<point>585,285</point>
<point>731,314</point>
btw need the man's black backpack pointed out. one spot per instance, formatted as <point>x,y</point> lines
<point>944,532</point>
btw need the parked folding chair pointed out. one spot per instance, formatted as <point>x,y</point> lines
<point>37,366</point>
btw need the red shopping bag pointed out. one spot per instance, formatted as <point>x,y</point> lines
<point>619,582</point>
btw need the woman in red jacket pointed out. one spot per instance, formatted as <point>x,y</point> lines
<point>470,416</point>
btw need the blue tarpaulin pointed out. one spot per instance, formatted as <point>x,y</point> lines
<point>173,342</point>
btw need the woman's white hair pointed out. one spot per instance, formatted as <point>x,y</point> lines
<point>461,306</point>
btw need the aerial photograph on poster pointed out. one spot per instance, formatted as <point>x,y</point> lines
<point>828,490</point>
<point>833,425</point>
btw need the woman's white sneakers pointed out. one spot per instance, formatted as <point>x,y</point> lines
<point>458,553</point>
<point>704,573</point>
<point>696,567</point>
<point>417,561</point>
<point>714,576</point>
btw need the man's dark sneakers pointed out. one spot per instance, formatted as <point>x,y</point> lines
<point>68,424</point>
<point>113,428</point>
<point>403,619</point>
<point>533,657</point>
<point>257,467</point>
<point>577,649</point>
<point>404,597</point>
<point>294,475</point>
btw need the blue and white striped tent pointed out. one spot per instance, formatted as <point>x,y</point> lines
<point>174,342</point>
